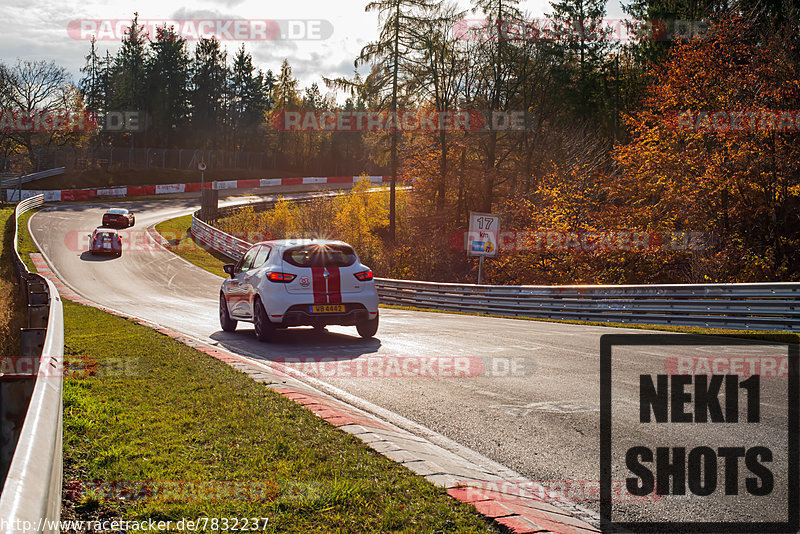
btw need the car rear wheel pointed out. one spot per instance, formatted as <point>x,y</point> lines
<point>265,330</point>
<point>368,328</point>
<point>225,321</point>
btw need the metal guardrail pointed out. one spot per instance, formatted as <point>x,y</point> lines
<point>218,240</point>
<point>759,306</point>
<point>31,494</point>
<point>11,183</point>
<point>755,306</point>
<point>229,245</point>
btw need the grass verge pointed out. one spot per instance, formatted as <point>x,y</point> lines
<point>11,305</point>
<point>213,262</point>
<point>25,243</point>
<point>156,430</point>
<point>181,242</point>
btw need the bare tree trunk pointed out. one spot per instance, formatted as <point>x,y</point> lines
<point>490,174</point>
<point>462,198</point>
<point>393,184</point>
<point>442,186</point>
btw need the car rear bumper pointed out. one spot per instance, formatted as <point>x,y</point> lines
<point>300,315</point>
<point>112,223</point>
<point>105,251</point>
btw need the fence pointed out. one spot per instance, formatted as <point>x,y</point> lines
<point>31,492</point>
<point>758,306</point>
<point>73,158</point>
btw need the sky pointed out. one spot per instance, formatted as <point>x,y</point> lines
<point>322,38</point>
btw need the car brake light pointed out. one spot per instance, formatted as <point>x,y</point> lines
<point>364,276</point>
<point>281,277</point>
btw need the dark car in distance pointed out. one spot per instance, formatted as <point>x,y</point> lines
<point>118,218</point>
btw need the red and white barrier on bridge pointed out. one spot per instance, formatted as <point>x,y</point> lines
<point>166,189</point>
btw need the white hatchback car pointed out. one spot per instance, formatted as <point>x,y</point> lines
<point>287,282</point>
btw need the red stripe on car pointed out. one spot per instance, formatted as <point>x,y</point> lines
<point>318,285</point>
<point>334,286</point>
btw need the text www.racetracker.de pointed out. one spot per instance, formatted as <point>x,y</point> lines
<point>216,524</point>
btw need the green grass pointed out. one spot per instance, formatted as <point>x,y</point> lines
<point>11,305</point>
<point>25,243</point>
<point>181,242</point>
<point>140,406</point>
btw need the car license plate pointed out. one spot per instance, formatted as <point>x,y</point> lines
<point>328,308</point>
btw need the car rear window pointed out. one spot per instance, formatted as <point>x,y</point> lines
<point>104,235</point>
<point>320,256</point>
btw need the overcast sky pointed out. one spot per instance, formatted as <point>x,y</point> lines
<point>51,29</point>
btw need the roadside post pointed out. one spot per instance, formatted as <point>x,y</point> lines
<point>484,230</point>
<point>208,198</point>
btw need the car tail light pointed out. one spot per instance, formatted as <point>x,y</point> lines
<point>283,278</point>
<point>364,276</point>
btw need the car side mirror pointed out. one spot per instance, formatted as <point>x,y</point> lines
<point>229,268</point>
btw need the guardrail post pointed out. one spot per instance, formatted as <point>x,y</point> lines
<point>32,341</point>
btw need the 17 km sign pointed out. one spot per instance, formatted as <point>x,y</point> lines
<point>484,230</point>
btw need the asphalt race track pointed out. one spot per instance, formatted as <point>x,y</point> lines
<point>530,399</point>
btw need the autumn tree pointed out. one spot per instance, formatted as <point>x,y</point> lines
<point>437,80</point>
<point>712,151</point>
<point>398,40</point>
<point>494,88</point>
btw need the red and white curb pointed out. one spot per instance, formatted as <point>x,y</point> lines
<point>168,189</point>
<point>504,497</point>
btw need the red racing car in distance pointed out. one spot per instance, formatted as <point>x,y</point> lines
<point>105,241</point>
<point>118,218</point>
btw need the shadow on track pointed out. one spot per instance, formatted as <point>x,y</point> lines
<point>88,256</point>
<point>297,342</point>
